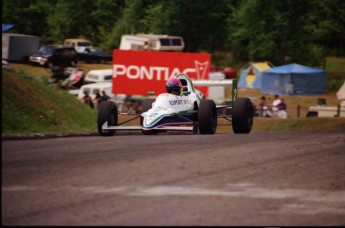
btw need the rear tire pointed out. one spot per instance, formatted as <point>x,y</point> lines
<point>242,115</point>
<point>207,117</point>
<point>107,111</point>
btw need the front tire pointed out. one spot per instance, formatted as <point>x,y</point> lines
<point>207,117</point>
<point>242,115</point>
<point>107,111</point>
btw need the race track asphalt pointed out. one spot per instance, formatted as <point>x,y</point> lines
<point>257,179</point>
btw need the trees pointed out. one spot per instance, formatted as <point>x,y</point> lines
<point>83,18</point>
<point>201,22</point>
<point>280,31</point>
<point>29,17</point>
<point>128,22</point>
<point>287,31</point>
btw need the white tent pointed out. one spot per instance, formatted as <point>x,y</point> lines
<point>341,92</point>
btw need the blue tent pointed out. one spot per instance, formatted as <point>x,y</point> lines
<point>293,79</point>
<point>6,27</point>
<point>251,75</point>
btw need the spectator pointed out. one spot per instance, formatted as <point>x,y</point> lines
<point>58,74</point>
<point>105,97</point>
<point>342,104</point>
<point>87,99</point>
<point>275,104</point>
<point>282,109</point>
<point>264,110</point>
<point>129,107</point>
<point>98,99</point>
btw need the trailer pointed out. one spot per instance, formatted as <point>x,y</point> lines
<point>326,111</point>
<point>151,42</point>
<point>18,47</point>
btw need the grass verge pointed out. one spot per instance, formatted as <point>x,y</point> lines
<point>32,106</point>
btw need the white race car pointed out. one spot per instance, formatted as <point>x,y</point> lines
<point>189,112</point>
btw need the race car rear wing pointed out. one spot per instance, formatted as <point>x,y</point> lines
<point>218,82</point>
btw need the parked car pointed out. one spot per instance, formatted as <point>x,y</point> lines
<point>95,54</point>
<point>54,55</point>
<point>104,75</point>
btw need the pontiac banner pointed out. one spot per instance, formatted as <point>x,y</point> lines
<point>140,72</point>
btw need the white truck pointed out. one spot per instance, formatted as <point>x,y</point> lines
<point>151,42</point>
<point>79,44</point>
<point>102,75</point>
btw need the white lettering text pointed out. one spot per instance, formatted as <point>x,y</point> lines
<point>149,73</point>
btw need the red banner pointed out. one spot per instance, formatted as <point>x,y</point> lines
<point>140,72</point>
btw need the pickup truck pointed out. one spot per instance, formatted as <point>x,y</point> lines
<point>94,54</point>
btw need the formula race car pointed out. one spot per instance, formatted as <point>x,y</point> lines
<point>189,112</point>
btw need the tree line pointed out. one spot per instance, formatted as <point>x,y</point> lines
<point>281,31</point>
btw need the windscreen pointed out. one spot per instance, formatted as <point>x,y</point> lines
<point>46,50</point>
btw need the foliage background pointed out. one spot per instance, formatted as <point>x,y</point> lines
<point>281,31</point>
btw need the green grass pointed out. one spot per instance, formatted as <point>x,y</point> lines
<point>298,124</point>
<point>32,106</point>
<point>335,73</point>
<point>262,124</point>
<point>335,64</point>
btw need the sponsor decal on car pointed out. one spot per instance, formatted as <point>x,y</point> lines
<point>178,102</point>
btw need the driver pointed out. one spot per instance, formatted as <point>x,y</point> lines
<point>174,86</point>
